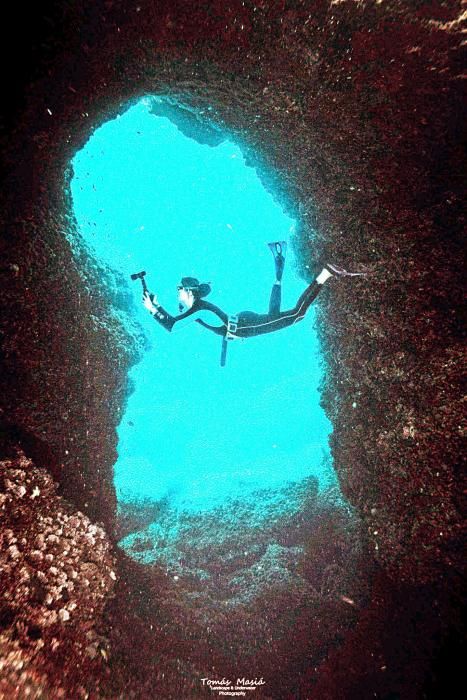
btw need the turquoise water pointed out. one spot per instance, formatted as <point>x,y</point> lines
<point>194,433</point>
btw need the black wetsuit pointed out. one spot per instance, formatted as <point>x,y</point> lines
<point>245,324</point>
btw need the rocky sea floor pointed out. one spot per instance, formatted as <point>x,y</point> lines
<point>229,560</point>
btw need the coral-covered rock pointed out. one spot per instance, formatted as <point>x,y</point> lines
<point>57,575</point>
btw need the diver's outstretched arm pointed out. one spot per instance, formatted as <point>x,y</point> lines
<point>175,323</point>
<point>150,301</point>
<point>157,312</point>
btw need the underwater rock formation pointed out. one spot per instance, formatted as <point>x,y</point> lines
<point>58,572</point>
<point>189,123</point>
<point>249,548</point>
<point>357,109</point>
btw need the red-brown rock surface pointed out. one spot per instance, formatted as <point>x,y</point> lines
<point>57,573</point>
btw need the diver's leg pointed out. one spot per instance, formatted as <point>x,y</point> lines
<point>258,324</point>
<point>275,299</point>
<point>338,271</point>
<point>311,292</point>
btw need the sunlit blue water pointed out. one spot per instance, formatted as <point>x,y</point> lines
<point>147,197</point>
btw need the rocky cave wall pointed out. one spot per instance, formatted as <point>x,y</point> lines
<point>356,107</point>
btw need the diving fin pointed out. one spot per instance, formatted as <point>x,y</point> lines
<point>278,248</point>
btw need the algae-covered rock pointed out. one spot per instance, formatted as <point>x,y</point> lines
<point>58,572</point>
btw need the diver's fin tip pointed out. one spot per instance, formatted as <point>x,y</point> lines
<point>278,248</point>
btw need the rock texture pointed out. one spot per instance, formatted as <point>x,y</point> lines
<point>352,111</point>
<point>57,573</point>
<point>252,554</point>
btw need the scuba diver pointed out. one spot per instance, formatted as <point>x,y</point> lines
<point>245,324</point>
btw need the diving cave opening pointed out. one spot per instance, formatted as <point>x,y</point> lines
<point>203,448</point>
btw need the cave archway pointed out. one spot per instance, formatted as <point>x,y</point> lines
<point>145,194</point>
<point>243,557</point>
